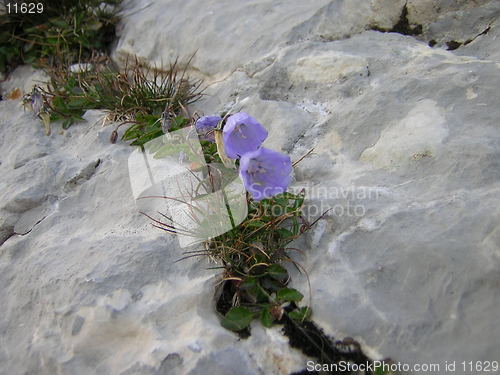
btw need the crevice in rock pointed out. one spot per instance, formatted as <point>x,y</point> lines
<point>453,44</point>
<point>34,225</point>
<point>402,26</point>
<point>305,336</point>
<point>313,342</point>
<point>6,233</point>
<point>84,175</point>
<point>23,162</point>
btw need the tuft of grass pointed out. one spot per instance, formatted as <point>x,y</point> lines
<point>270,226</point>
<point>139,96</point>
<point>74,29</point>
<point>254,283</point>
<point>252,255</point>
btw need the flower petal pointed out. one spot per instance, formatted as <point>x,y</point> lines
<point>265,173</point>
<point>205,127</point>
<point>242,133</point>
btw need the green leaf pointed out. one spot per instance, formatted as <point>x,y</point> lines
<point>285,233</point>
<point>59,22</point>
<point>300,314</point>
<point>147,137</point>
<point>77,117</point>
<point>237,318</point>
<point>55,117</point>
<point>289,294</point>
<point>132,132</point>
<point>76,103</point>
<point>254,224</point>
<point>277,272</point>
<point>179,122</point>
<point>150,119</point>
<point>381,371</point>
<point>248,283</point>
<point>266,318</point>
<point>280,200</point>
<point>251,286</point>
<point>298,203</point>
<point>53,41</point>
<point>271,285</point>
<point>58,103</point>
<point>67,123</point>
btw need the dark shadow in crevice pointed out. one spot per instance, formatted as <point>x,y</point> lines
<point>453,44</point>
<point>314,343</point>
<point>305,336</point>
<point>402,26</point>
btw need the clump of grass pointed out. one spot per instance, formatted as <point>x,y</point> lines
<point>137,95</point>
<point>254,280</point>
<point>74,29</point>
<point>254,283</point>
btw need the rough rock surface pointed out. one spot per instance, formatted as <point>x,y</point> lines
<point>406,156</point>
<point>88,287</point>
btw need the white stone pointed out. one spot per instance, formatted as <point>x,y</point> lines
<point>406,150</point>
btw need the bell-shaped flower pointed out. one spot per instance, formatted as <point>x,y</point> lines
<point>36,101</point>
<point>205,127</point>
<point>241,134</point>
<point>265,173</point>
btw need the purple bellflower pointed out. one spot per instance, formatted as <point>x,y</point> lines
<point>36,101</point>
<point>205,127</point>
<point>265,173</point>
<point>241,134</point>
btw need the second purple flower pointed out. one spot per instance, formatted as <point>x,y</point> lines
<point>265,173</point>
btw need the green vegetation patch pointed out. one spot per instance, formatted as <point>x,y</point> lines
<point>73,30</point>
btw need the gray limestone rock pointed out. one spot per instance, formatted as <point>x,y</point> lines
<point>406,158</point>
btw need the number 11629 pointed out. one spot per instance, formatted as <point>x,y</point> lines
<point>24,8</point>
